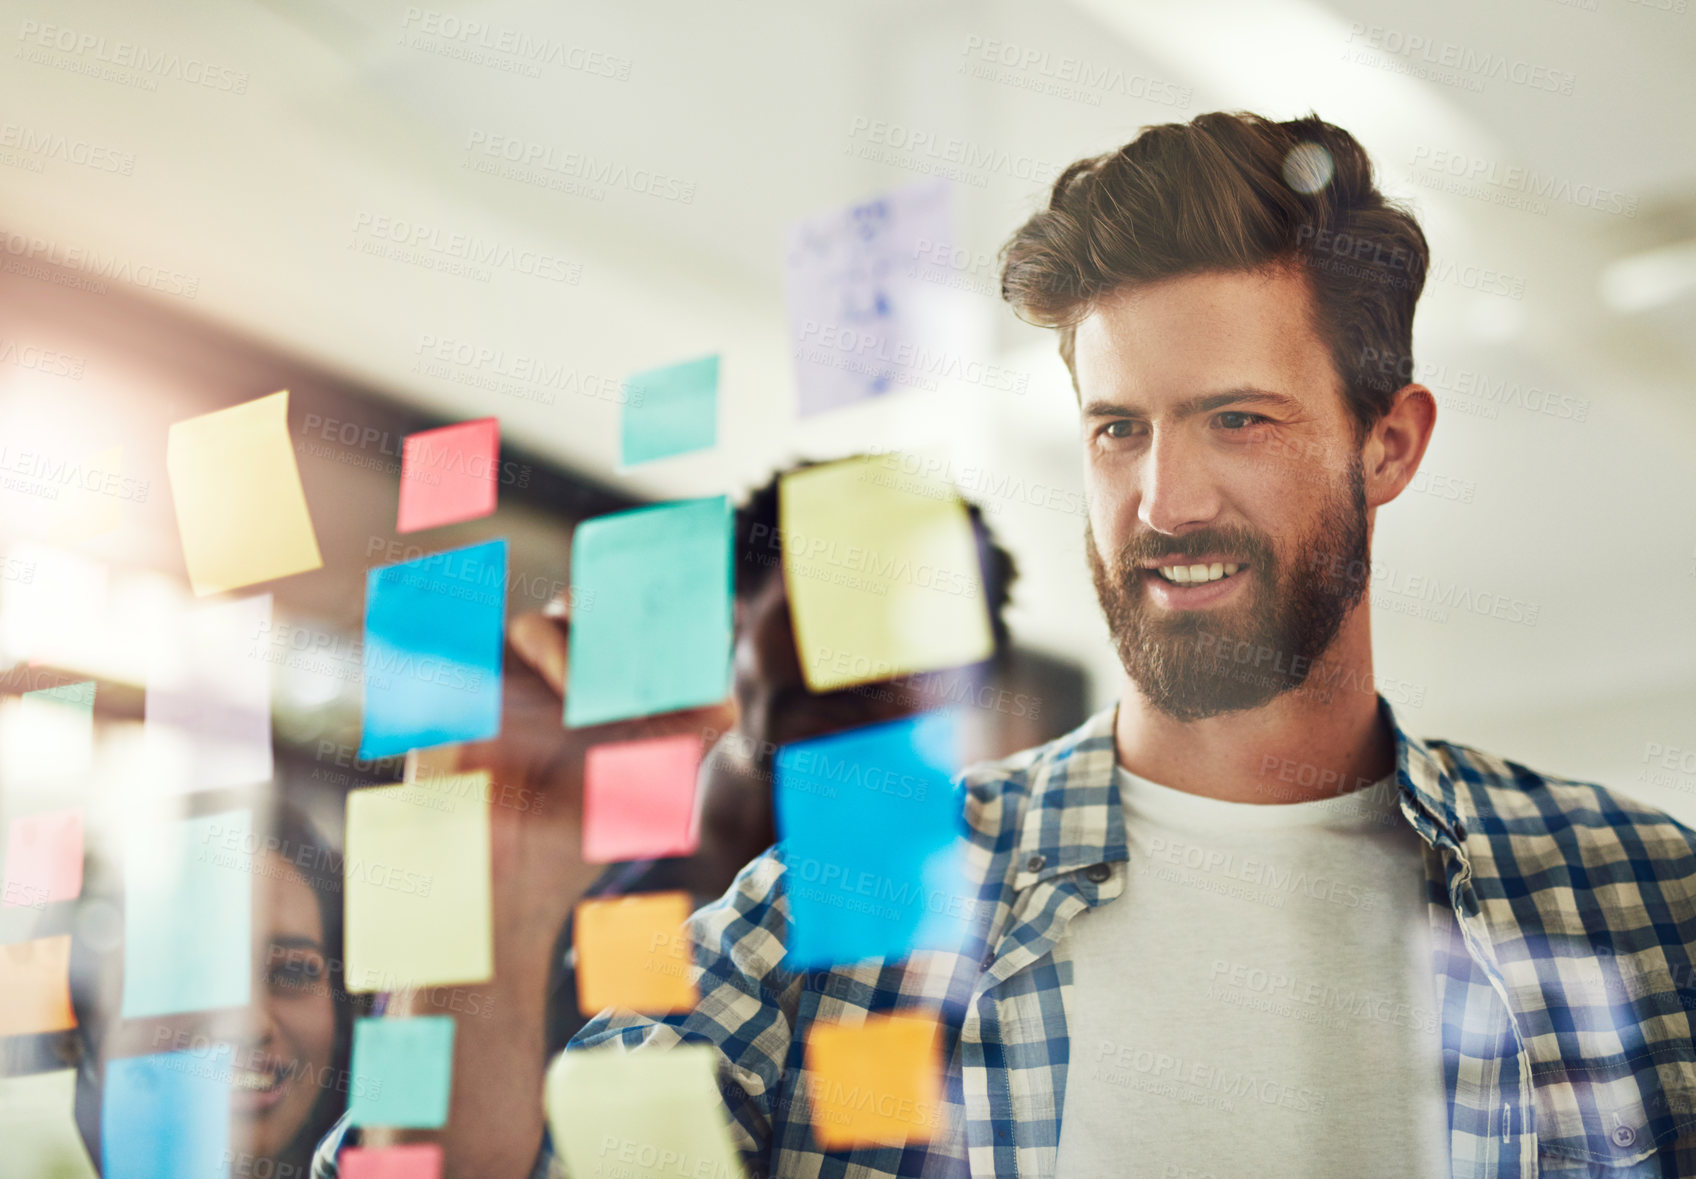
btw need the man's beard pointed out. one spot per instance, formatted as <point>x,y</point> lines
<point>1193,664</point>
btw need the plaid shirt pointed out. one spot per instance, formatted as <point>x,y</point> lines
<point>1563,920</point>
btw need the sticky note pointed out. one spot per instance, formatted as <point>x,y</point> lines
<point>874,1083</point>
<point>417,885</point>
<point>631,953</point>
<point>240,507</point>
<point>449,475</point>
<point>882,571</point>
<point>639,799</point>
<point>208,704</point>
<point>44,858</point>
<point>47,737</point>
<point>418,1160</point>
<point>55,607</point>
<point>650,1115</point>
<point>38,1126</point>
<point>188,914</point>
<point>167,1116</point>
<point>653,633</point>
<point>870,831</point>
<point>433,649</point>
<point>35,980</point>
<point>870,297</point>
<point>402,1071</point>
<point>670,411</point>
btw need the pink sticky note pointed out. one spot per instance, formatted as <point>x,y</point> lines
<point>44,859</point>
<point>422,1160</point>
<point>639,799</point>
<point>449,475</point>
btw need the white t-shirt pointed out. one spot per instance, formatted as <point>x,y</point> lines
<point>1259,1002</point>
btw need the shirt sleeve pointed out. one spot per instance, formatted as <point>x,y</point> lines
<point>748,1002</point>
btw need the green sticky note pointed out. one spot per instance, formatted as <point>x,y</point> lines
<point>651,611</point>
<point>640,1115</point>
<point>402,1072</point>
<point>188,914</point>
<point>671,410</point>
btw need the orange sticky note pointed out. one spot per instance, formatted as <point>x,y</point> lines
<point>875,1083</point>
<point>44,859</point>
<point>631,953</point>
<point>449,475</point>
<point>639,799</point>
<point>35,978</point>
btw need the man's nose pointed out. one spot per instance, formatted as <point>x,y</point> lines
<point>1177,489</point>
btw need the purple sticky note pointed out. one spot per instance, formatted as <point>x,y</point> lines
<point>871,305</point>
<point>209,696</point>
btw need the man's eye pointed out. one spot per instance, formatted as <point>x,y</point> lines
<point>1237,420</point>
<point>1120,428</point>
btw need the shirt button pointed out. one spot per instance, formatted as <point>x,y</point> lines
<point>1096,873</point>
<point>1623,1136</point>
<point>1035,863</point>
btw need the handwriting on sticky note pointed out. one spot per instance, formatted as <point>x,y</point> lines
<point>871,304</point>
<point>417,884</point>
<point>241,511</point>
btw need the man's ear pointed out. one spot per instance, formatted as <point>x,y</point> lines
<point>1396,445</point>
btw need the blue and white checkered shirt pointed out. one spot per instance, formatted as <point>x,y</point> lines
<point>1563,921</point>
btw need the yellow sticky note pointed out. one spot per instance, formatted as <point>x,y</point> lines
<point>877,1082</point>
<point>640,1115</point>
<point>631,953</point>
<point>35,980</point>
<point>882,571</point>
<point>240,507</point>
<point>417,885</point>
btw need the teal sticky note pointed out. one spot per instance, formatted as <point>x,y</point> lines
<point>402,1071</point>
<point>167,1116</point>
<point>651,611</point>
<point>188,914</point>
<point>671,410</point>
<point>434,638</point>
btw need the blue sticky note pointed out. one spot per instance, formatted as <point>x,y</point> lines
<point>433,647</point>
<point>188,914</point>
<point>871,838</point>
<point>650,611</point>
<point>167,1116</point>
<point>402,1071</point>
<point>671,410</point>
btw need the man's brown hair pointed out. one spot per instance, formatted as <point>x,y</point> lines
<point>1233,192</point>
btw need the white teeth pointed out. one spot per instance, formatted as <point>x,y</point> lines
<point>258,1082</point>
<point>1194,574</point>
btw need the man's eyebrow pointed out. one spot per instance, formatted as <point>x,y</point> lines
<point>1207,402</point>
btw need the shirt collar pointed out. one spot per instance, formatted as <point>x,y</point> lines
<point>1075,818</point>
